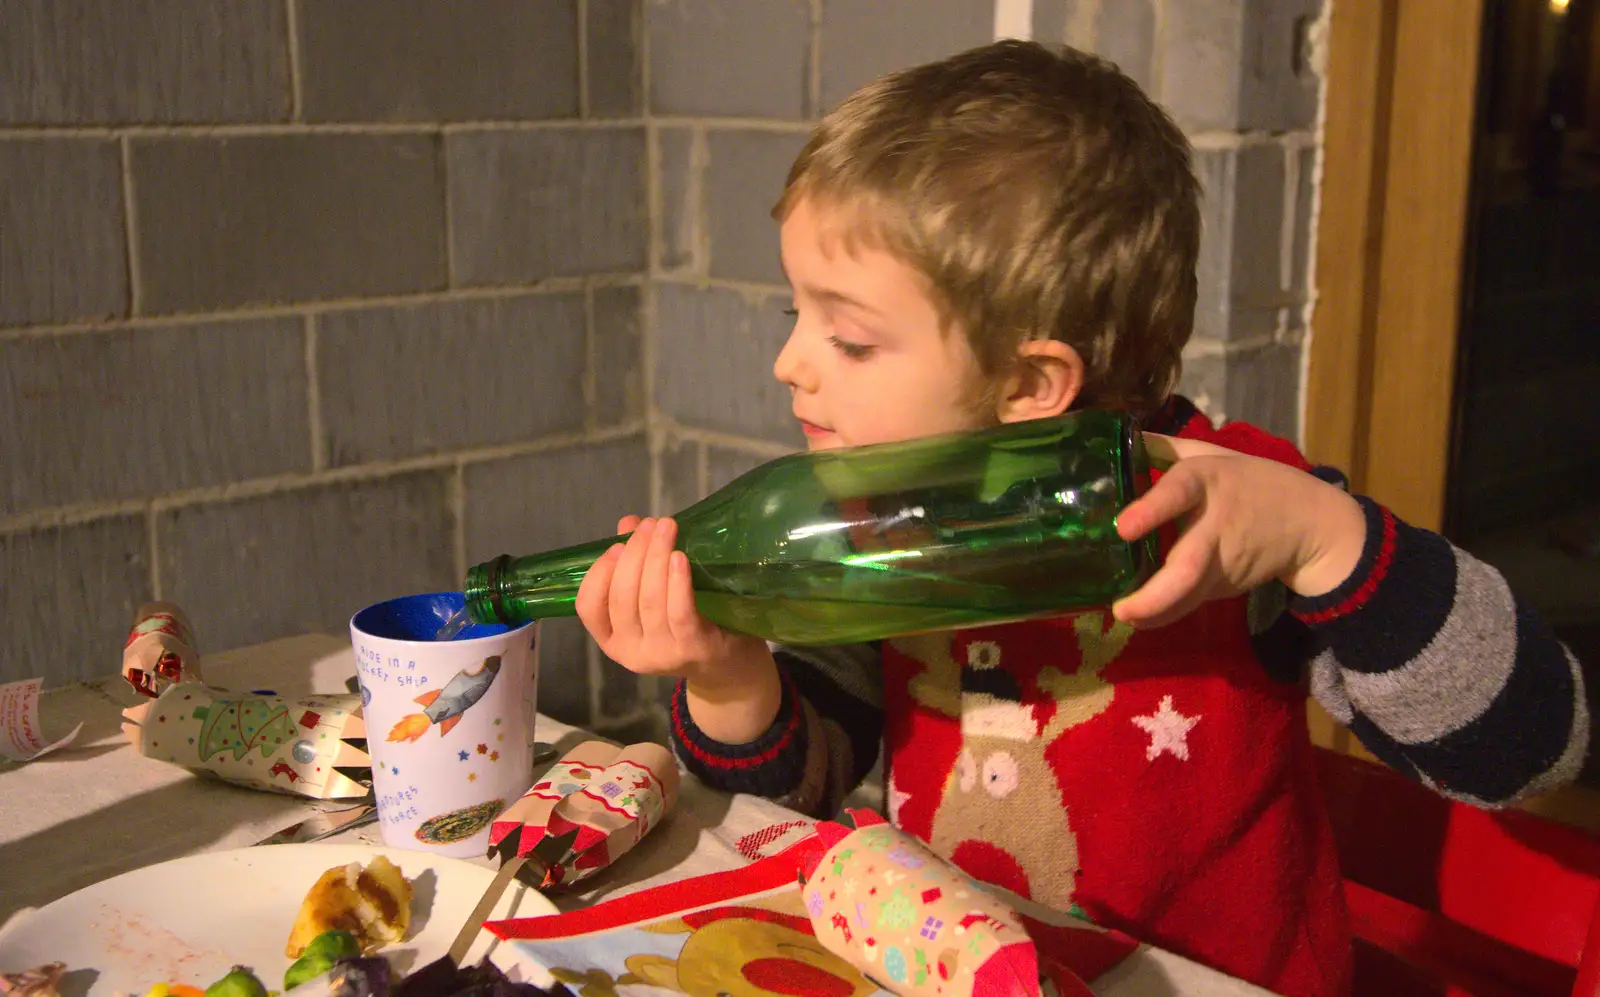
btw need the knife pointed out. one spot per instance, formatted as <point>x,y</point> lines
<point>323,824</point>
<point>544,856</point>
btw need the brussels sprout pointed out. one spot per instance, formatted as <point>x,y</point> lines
<point>319,957</point>
<point>239,982</point>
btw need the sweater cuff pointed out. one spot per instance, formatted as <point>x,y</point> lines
<point>770,765</point>
<point>1377,556</point>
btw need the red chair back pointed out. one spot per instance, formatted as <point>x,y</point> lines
<point>1449,899</point>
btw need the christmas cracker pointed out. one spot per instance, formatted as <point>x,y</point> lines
<point>312,746</point>
<point>160,649</point>
<point>596,803</point>
<point>882,901</point>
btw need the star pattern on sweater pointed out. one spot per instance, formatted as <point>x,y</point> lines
<point>896,800</point>
<point>1168,730</point>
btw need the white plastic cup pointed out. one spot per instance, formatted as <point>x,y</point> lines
<point>449,723</point>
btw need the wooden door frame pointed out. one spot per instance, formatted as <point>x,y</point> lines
<point>1397,157</point>
<point>1402,82</point>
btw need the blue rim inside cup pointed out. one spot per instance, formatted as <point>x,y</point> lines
<point>419,617</point>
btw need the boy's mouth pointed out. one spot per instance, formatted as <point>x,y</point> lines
<point>812,429</point>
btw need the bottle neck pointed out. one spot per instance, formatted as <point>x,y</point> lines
<point>514,590</point>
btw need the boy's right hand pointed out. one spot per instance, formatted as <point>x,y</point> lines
<point>637,601</point>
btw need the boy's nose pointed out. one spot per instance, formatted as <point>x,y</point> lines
<point>790,369</point>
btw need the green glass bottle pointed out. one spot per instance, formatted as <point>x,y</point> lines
<point>842,546</point>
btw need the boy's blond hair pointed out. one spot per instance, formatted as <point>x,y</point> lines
<point>1040,192</point>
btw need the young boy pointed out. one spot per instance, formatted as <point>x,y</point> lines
<point>1008,234</point>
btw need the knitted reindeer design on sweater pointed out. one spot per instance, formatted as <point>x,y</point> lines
<point>1003,785</point>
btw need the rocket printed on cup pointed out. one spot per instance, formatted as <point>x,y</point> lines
<point>445,706</point>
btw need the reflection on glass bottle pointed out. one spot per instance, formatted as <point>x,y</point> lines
<point>850,545</point>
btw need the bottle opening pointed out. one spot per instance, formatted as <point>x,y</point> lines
<point>483,591</point>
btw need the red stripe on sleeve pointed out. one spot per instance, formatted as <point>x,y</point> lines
<point>716,761</point>
<point>1369,586</point>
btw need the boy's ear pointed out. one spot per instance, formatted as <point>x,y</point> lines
<point>1044,381</point>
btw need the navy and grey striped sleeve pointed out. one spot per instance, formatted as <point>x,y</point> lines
<point>823,742</point>
<point>1428,657</point>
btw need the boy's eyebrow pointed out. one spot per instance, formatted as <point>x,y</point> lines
<point>840,297</point>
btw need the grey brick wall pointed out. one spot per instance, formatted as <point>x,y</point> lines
<point>309,303</point>
<point>302,306</point>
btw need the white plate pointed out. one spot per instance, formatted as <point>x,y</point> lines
<point>192,919</point>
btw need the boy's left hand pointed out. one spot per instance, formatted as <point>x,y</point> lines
<point>1245,521</point>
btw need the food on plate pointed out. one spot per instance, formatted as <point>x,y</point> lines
<point>443,978</point>
<point>42,981</point>
<point>239,982</point>
<point>373,904</point>
<point>363,976</point>
<point>370,977</point>
<point>319,957</point>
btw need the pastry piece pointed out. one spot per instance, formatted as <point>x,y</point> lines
<point>45,981</point>
<point>373,904</point>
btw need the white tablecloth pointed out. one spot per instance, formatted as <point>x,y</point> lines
<point>97,809</point>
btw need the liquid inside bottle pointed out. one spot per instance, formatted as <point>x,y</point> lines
<point>851,545</point>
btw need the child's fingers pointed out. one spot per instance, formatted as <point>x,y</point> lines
<point>683,617</point>
<point>1178,491</point>
<point>595,591</point>
<point>653,580</point>
<point>627,524</point>
<point>1174,590</point>
<point>624,597</point>
<point>1165,451</point>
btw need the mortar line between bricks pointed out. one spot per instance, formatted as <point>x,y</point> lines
<point>750,288</point>
<point>130,228</point>
<point>553,285</point>
<point>458,511</point>
<point>591,363</point>
<point>813,107</point>
<point>583,58</point>
<point>696,209</point>
<point>641,27</point>
<point>657,239</point>
<point>1158,47</point>
<point>1216,140</point>
<point>1207,348</point>
<point>1083,26</point>
<point>447,210</point>
<point>290,128</point>
<point>655,236</point>
<point>319,447</point>
<point>153,548</point>
<point>291,20</point>
<point>69,515</point>
<point>799,126</point>
<point>1289,231</point>
<point>727,441</point>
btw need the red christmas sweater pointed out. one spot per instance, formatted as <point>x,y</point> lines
<point>1160,782</point>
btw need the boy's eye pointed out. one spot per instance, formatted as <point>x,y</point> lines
<point>792,311</point>
<point>855,351</point>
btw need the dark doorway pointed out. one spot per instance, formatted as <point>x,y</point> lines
<point>1524,483</point>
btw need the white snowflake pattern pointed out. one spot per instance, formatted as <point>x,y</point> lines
<point>1168,730</point>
